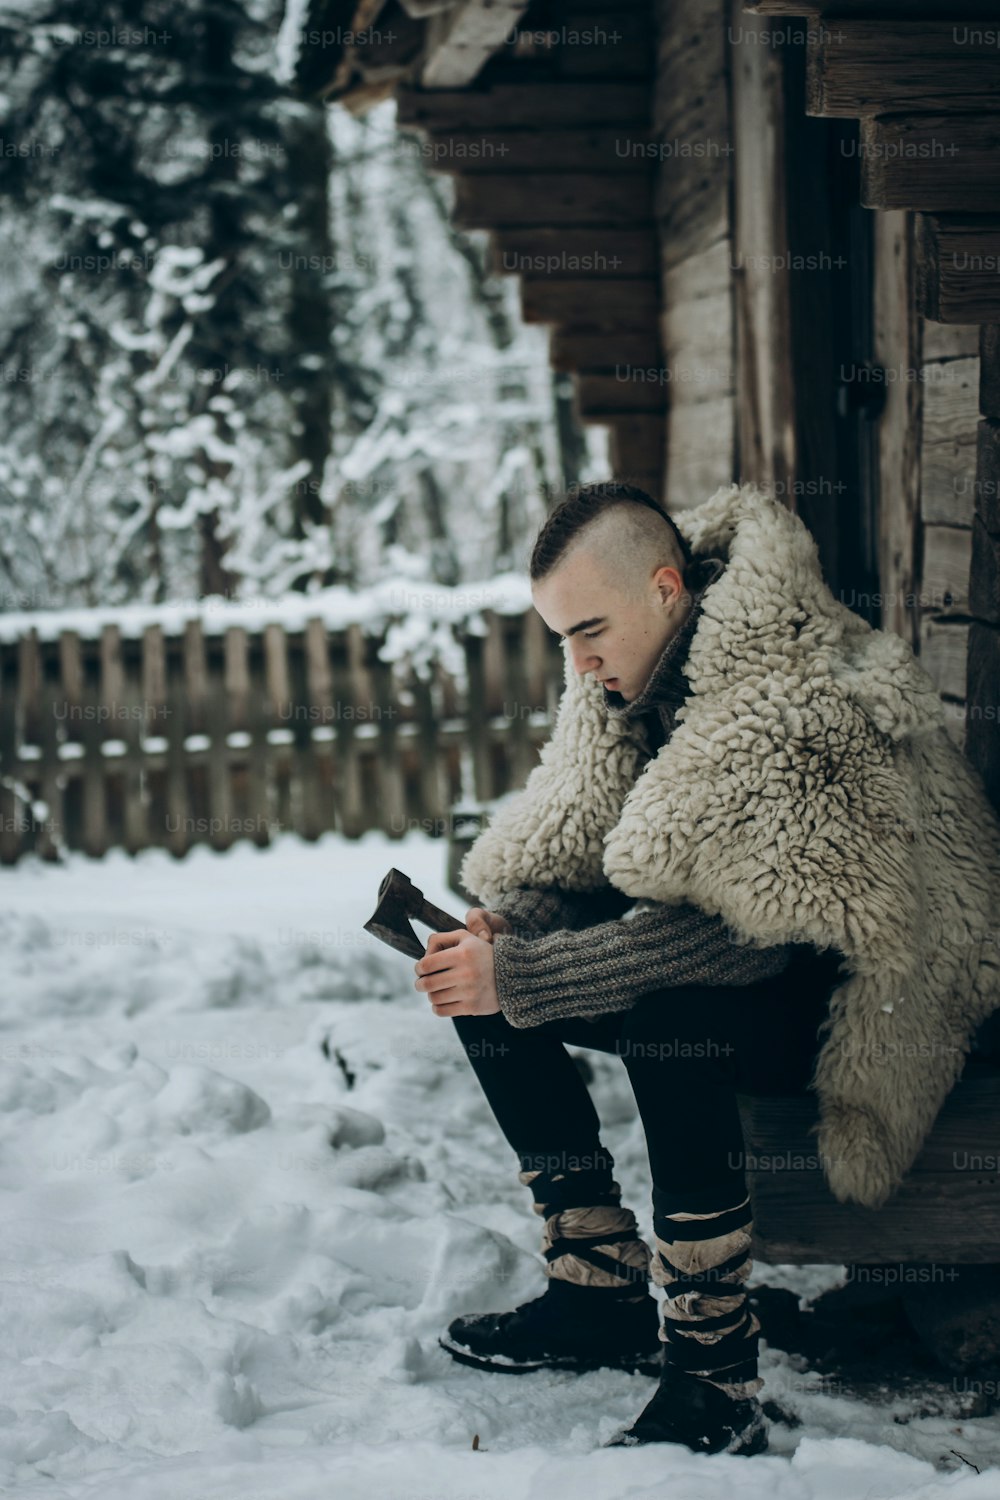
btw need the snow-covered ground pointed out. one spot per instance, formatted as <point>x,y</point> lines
<point>225,1257</point>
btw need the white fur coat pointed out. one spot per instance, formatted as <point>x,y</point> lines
<point>809,793</point>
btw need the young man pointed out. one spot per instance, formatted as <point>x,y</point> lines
<point>749,860</point>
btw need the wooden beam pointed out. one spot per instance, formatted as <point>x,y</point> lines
<point>600,397</point>
<point>947,425</point>
<point>796,1216</point>
<point>957,263</point>
<point>902,10</point>
<point>597,252</point>
<point>989,370</point>
<point>632,303</point>
<point>462,38</point>
<point>862,67</point>
<point>550,198</point>
<point>767,403</point>
<point>524,106</point>
<point>982,743</point>
<point>896,345</point>
<point>573,150</point>
<point>585,349</point>
<point>933,163</point>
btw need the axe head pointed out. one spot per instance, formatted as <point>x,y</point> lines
<point>390,922</point>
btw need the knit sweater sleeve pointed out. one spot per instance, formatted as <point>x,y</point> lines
<point>532,911</point>
<point>606,967</point>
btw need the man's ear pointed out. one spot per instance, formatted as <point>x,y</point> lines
<point>670,582</point>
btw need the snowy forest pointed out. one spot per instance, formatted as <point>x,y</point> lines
<point>245,351</point>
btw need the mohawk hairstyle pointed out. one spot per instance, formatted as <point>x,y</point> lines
<point>577,508</point>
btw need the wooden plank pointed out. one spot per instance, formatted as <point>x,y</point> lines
<point>177,834</point>
<point>637,451</point>
<point>984,577</point>
<point>524,106</point>
<point>236,689</point>
<point>989,370</point>
<point>934,163</point>
<point>319,813</point>
<point>551,198</point>
<point>128,714</point>
<point>796,1216</point>
<point>575,253</point>
<point>897,332</point>
<point>518,704</point>
<point>279,708</point>
<point>155,697</point>
<point>477,745</point>
<point>352,688</point>
<point>766,409</point>
<point>583,349</point>
<point>51,832</point>
<point>700,450</point>
<point>982,743</point>
<point>949,340</point>
<point>632,389</point>
<point>71,678</point>
<point>904,10</point>
<point>944,586</point>
<point>485,153</point>
<point>948,441</point>
<point>219,656</point>
<point>629,304</point>
<point>861,67</point>
<point>460,39</point>
<point>697,331</point>
<point>11,814</point>
<point>984,587</point>
<point>95,692</point>
<point>796,1222</point>
<point>986,490</point>
<point>692,126</point>
<point>957,261</point>
<point>943,647</point>
<point>39,729</point>
<point>432,792</point>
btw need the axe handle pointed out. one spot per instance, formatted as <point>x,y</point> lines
<point>433,916</point>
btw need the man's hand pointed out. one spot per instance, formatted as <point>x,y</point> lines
<point>457,973</point>
<point>485,923</point>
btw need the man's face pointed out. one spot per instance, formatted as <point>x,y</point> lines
<point>620,631</point>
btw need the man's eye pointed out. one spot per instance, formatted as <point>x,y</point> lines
<point>589,635</point>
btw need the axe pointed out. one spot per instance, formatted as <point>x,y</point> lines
<point>398,901</point>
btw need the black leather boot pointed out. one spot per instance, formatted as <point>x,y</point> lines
<point>686,1409</point>
<point>568,1327</point>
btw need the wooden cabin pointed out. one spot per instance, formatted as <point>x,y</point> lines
<point>765,239</point>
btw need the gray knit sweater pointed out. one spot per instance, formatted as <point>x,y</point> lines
<point>578,953</point>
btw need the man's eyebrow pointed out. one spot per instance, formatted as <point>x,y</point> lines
<point>583,625</point>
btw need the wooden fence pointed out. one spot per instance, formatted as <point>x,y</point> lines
<point>211,736</point>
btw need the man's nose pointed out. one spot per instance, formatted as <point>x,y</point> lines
<point>584,659</point>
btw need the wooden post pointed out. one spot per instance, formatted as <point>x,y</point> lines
<point>11,814</point>
<point>983,686</point>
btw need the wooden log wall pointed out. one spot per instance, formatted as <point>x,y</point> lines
<point>174,740</point>
<point>925,87</point>
<point>550,150</point>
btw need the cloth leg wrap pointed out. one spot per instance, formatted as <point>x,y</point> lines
<point>589,1238</point>
<point>702,1261</point>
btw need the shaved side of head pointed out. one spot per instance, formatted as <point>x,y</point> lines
<point>629,543</point>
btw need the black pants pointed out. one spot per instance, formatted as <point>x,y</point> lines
<point>688,1051</point>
